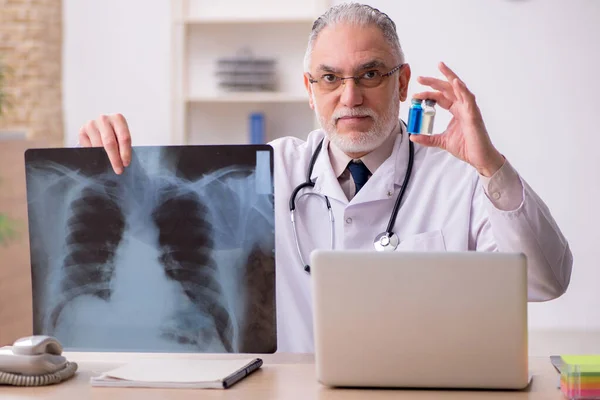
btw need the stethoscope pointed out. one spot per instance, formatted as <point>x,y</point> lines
<point>385,241</point>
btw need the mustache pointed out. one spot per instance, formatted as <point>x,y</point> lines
<point>353,112</point>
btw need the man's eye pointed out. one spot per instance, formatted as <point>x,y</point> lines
<point>371,74</point>
<point>329,78</point>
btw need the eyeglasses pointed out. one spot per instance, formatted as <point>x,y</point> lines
<point>369,79</point>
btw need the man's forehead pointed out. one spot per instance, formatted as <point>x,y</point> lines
<point>351,47</point>
<point>374,63</point>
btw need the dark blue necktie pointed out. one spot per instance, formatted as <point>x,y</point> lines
<point>360,174</point>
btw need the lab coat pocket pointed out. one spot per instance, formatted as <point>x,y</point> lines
<point>426,241</point>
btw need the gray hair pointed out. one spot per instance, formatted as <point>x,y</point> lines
<point>358,14</point>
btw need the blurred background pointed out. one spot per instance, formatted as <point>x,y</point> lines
<point>204,72</point>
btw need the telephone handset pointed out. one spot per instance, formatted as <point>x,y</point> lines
<point>34,361</point>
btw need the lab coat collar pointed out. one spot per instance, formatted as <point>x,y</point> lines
<point>326,183</point>
<point>383,183</point>
<point>390,175</point>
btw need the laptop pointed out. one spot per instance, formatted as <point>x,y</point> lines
<point>420,320</point>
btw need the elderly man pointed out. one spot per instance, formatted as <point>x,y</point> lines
<point>455,190</point>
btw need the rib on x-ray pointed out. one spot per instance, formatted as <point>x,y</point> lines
<point>175,254</point>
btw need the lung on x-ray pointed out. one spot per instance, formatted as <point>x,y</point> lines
<point>174,255</point>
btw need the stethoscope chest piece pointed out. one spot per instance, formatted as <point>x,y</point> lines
<point>386,242</point>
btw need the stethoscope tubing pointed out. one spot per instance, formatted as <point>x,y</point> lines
<point>384,240</point>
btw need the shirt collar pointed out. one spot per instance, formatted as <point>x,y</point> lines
<point>372,160</point>
<point>390,174</point>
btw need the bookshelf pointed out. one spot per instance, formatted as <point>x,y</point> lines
<point>205,31</point>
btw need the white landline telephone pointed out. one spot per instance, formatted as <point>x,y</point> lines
<point>34,361</point>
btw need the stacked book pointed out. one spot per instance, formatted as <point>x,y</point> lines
<point>245,72</point>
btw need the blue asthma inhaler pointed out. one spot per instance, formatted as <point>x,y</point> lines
<point>415,117</point>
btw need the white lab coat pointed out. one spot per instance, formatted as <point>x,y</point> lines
<point>444,209</point>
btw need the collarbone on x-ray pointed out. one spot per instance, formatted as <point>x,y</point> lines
<point>150,260</point>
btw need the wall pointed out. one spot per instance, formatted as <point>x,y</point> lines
<point>15,276</point>
<point>31,45</point>
<point>31,49</point>
<point>532,65</point>
<point>116,59</point>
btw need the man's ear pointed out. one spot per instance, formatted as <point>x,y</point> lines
<point>404,79</point>
<point>308,87</point>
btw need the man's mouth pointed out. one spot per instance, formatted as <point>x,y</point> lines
<point>353,118</point>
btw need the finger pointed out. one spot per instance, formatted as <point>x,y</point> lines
<point>93,133</point>
<point>84,140</point>
<point>460,88</point>
<point>428,141</point>
<point>458,91</point>
<point>437,96</point>
<point>439,85</point>
<point>109,141</point>
<point>448,73</point>
<point>464,92</point>
<point>435,83</point>
<point>121,129</point>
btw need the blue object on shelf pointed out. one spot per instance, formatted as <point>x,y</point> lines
<point>257,128</point>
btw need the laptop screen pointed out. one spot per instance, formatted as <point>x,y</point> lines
<point>174,255</point>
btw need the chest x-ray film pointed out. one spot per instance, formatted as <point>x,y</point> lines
<point>174,255</point>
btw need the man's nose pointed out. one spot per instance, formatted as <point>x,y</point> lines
<point>351,93</point>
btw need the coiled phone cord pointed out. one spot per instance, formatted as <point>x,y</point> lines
<point>7,378</point>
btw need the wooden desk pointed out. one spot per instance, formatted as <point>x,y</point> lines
<point>282,377</point>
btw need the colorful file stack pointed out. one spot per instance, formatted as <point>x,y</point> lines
<point>580,377</point>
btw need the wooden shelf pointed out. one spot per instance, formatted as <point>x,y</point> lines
<point>250,97</point>
<point>204,31</point>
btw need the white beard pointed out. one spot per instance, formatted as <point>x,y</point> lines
<point>364,142</point>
